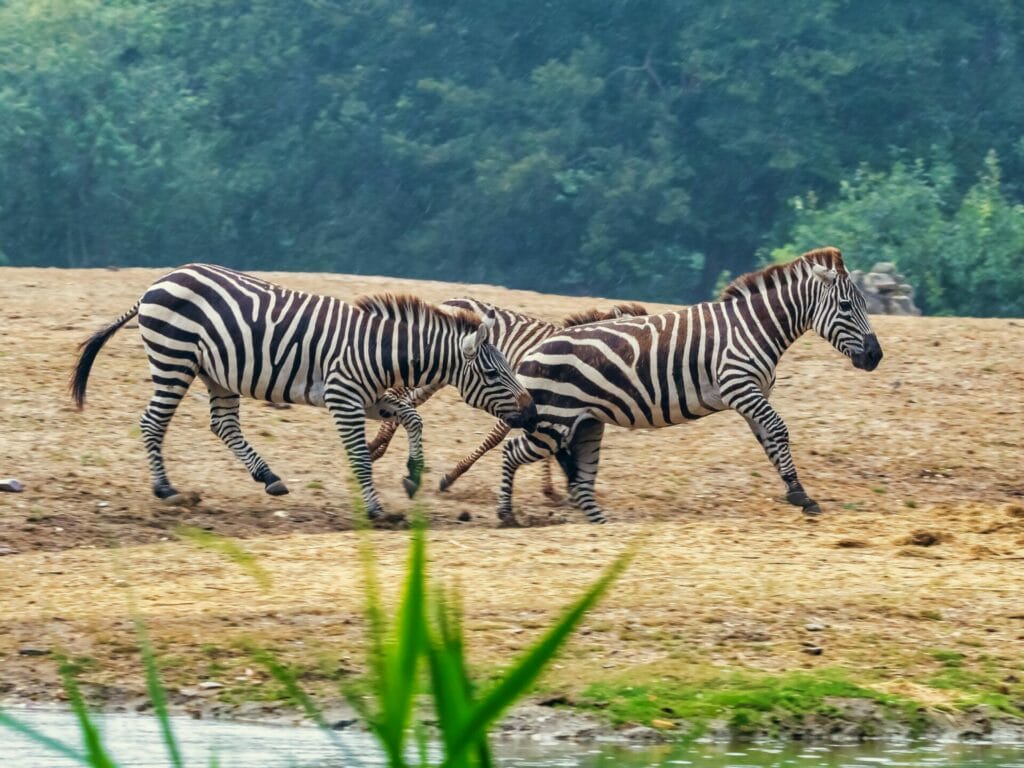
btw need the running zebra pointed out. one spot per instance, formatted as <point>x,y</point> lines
<point>515,334</point>
<point>666,369</point>
<point>244,336</point>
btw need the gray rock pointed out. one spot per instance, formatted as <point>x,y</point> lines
<point>886,292</point>
<point>11,485</point>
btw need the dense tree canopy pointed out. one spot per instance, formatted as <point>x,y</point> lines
<point>633,147</point>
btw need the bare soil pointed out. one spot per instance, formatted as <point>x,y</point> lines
<point>917,467</point>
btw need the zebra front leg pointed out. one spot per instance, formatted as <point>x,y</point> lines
<point>580,462</point>
<point>771,432</point>
<point>349,414</point>
<point>413,424</point>
<point>496,435</point>
<point>525,449</point>
<point>225,424</point>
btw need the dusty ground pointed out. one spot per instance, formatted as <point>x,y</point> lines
<point>728,576</point>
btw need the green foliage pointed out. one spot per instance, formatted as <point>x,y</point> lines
<point>425,634</point>
<point>641,149</point>
<point>745,700</point>
<point>965,254</point>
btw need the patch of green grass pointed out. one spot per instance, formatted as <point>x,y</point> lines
<point>880,489</point>
<point>314,485</point>
<point>747,702</point>
<point>948,658</point>
<point>910,504</point>
<point>852,506</point>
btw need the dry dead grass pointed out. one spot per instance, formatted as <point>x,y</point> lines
<point>728,575</point>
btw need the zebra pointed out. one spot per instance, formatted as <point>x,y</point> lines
<point>246,337</point>
<point>666,369</point>
<point>515,333</point>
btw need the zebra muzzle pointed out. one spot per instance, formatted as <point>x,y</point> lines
<point>525,418</point>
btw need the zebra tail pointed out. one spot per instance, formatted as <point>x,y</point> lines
<point>88,350</point>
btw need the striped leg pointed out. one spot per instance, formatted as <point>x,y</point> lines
<point>412,397</point>
<point>379,445</point>
<point>525,449</point>
<point>395,407</point>
<point>349,413</point>
<point>172,382</point>
<point>224,423</point>
<point>771,432</point>
<point>580,461</point>
<point>547,485</point>
<point>496,435</point>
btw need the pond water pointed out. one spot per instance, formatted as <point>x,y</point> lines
<point>134,741</point>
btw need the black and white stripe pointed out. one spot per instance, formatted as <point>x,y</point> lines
<point>666,369</point>
<point>515,334</point>
<point>246,337</point>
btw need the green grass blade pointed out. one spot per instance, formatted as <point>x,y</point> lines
<point>230,549</point>
<point>13,724</point>
<point>532,663</point>
<point>157,695</point>
<point>95,752</point>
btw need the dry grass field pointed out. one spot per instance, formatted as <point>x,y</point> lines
<point>728,576</point>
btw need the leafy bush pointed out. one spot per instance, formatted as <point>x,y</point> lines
<point>964,255</point>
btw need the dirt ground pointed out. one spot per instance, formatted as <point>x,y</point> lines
<point>728,576</point>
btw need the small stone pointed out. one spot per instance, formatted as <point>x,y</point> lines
<point>814,627</point>
<point>208,685</point>
<point>464,517</point>
<point>11,485</point>
<point>5,550</point>
<point>102,504</point>
<point>813,650</point>
<point>340,725</point>
<point>281,513</point>
<point>663,725</point>
<point>30,651</point>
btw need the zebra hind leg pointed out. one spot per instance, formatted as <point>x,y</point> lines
<point>171,386</point>
<point>580,462</point>
<point>225,424</point>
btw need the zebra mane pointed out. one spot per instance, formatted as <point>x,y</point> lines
<point>596,315</point>
<point>403,307</point>
<point>752,282</point>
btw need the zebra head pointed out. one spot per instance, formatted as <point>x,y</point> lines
<point>841,317</point>
<point>486,381</point>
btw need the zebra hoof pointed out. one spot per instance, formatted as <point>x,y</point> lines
<point>176,499</point>
<point>277,488</point>
<point>445,484</point>
<point>391,522</point>
<point>410,485</point>
<point>811,508</point>
<point>798,498</point>
<point>508,521</point>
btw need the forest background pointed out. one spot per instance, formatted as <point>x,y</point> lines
<point>646,149</point>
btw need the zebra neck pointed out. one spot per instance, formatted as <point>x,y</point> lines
<point>430,356</point>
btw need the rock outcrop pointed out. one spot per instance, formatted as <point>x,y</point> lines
<point>885,290</point>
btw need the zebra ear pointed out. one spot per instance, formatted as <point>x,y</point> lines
<point>824,274</point>
<point>472,343</point>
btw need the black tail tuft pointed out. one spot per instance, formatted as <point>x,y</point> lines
<point>89,349</point>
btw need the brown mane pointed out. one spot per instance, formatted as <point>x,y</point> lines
<point>752,281</point>
<point>403,306</point>
<point>597,315</point>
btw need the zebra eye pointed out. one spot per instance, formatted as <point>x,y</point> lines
<point>845,306</point>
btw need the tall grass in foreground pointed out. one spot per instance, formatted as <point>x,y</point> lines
<point>420,648</point>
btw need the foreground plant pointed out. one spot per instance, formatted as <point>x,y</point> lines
<point>421,649</point>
